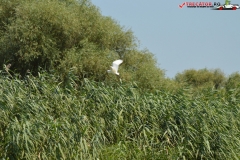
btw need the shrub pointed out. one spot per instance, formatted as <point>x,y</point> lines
<point>71,39</point>
<point>233,81</point>
<point>202,78</point>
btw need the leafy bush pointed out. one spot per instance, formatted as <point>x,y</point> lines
<point>233,81</point>
<point>202,78</point>
<point>71,38</point>
<point>40,33</point>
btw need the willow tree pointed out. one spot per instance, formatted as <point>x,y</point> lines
<point>233,81</point>
<point>201,78</point>
<point>70,38</point>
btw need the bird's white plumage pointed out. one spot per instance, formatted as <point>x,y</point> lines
<point>115,66</point>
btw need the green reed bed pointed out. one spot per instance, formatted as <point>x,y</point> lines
<point>40,119</point>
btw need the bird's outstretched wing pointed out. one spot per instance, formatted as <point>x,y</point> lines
<point>116,64</point>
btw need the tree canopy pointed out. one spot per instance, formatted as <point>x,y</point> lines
<point>201,78</point>
<point>70,37</point>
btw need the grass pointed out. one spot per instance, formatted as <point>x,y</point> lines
<point>40,119</point>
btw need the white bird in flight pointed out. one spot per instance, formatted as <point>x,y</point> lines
<point>114,67</point>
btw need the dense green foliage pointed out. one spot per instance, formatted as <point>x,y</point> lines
<point>202,78</point>
<point>58,102</point>
<point>72,38</point>
<point>41,120</point>
<point>233,81</point>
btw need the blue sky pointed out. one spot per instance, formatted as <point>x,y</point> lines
<point>180,39</point>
